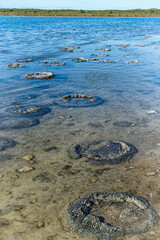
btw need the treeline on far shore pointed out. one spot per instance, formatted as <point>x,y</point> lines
<point>81,13</point>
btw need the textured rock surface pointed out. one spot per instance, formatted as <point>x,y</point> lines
<point>79,100</point>
<point>101,152</point>
<point>39,75</point>
<point>131,213</point>
<point>29,110</point>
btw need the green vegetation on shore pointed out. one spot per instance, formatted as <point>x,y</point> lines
<point>81,13</point>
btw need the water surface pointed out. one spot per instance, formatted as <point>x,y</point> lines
<point>131,93</point>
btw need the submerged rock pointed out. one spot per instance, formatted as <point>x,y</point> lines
<point>39,75</point>
<point>29,110</point>
<point>25,169</point>
<point>46,63</point>
<point>108,215</point>
<point>8,124</point>
<point>135,61</point>
<point>69,49</point>
<point>54,63</point>
<point>58,63</point>
<point>106,39</point>
<point>24,60</point>
<point>103,49</point>
<point>79,100</point>
<point>93,55</point>
<point>123,124</point>
<point>101,152</point>
<point>80,59</point>
<point>6,143</point>
<point>14,65</point>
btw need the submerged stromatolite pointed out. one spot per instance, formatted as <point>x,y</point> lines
<point>123,124</point>
<point>108,215</point>
<point>79,100</point>
<point>14,65</point>
<point>8,124</point>
<point>6,143</point>
<point>39,75</point>
<point>101,152</point>
<point>24,60</point>
<point>28,110</point>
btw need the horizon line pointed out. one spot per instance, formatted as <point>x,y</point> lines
<point>85,9</point>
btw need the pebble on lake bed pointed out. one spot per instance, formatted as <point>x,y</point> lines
<point>25,169</point>
<point>28,157</point>
<point>151,112</point>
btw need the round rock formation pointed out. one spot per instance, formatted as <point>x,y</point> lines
<point>29,110</point>
<point>101,152</point>
<point>39,75</point>
<point>108,215</point>
<point>79,100</point>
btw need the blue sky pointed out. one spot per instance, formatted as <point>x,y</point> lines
<point>80,4</point>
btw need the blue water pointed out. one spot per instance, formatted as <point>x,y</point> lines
<point>41,38</point>
<point>130,93</point>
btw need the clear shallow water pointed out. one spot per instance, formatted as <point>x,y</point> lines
<point>131,92</point>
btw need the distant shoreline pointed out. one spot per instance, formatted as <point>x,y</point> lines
<point>81,13</point>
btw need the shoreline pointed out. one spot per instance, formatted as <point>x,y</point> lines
<point>72,16</point>
<point>132,13</point>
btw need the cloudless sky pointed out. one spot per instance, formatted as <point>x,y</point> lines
<point>80,4</point>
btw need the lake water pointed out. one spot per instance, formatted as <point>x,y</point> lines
<point>128,84</point>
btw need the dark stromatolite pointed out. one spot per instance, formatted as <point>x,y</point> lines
<point>24,60</point>
<point>123,124</point>
<point>14,65</point>
<point>58,63</point>
<point>8,124</point>
<point>79,100</point>
<point>90,216</point>
<point>6,143</point>
<point>28,110</point>
<point>39,75</point>
<point>101,152</point>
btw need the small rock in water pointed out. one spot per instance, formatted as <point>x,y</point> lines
<point>149,174</point>
<point>46,63</point>
<point>25,169</point>
<point>15,65</point>
<point>58,63</point>
<point>151,111</point>
<point>135,61</point>
<point>93,55</point>
<point>24,60</point>
<point>28,157</point>
<point>103,49</point>
<point>40,224</point>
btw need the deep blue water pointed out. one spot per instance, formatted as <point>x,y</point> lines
<point>124,87</point>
